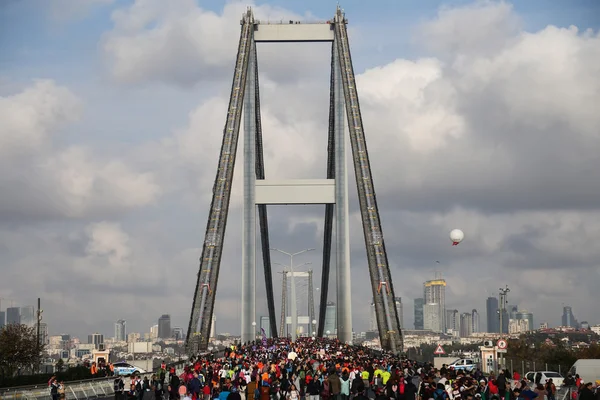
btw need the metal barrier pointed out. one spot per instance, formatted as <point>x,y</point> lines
<point>74,390</point>
<point>79,390</point>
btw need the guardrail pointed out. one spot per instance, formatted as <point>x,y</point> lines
<point>78,390</point>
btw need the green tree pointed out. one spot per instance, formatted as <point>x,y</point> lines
<point>19,349</point>
<point>60,364</point>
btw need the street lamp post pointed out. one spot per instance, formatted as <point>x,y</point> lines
<point>293,294</point>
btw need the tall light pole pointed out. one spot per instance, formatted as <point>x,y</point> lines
<point>293,285</point>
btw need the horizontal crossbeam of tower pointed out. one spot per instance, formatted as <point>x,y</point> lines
<point>344,108</point>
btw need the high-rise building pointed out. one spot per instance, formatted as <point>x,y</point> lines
<point>96,339</point>
<point>505,319</point>
<point>265,325</point>
<point>434,292</point>
<point>526,315</point>
<point>568,319</point>
<point>466,325</point>
<point>177,333</point>
<point>164,326</point>
<point>373,322</point>
<point>400,311</point>
<point>516,326</point>
<point>28,316</point>
<point>475,321</point>
<point>330,318</point>
<point>2,319</point>
<point>13,315</point>
<point>44,338</point>
<point>493,321</point>
<point>452,321</point>
<point>513,309</point>
<point>213,326</point>
<point>120,332</point>
<point>431,317</point>
<point>153,333</point>
<point>419,323</point>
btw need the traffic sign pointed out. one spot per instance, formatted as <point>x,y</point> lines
<point>439,350</point>
<point>502,345</point>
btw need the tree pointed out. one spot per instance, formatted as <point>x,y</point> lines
<point>60,364</point>
<point>19,348</point>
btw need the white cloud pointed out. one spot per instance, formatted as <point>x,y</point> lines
<point>41,178</point>
<point>179,42</point>
<point>481,28</point>
<point>30,118</point>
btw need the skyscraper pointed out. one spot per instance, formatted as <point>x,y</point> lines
<point>96,339</point>
<point>213,326</point>
<point>28,316</point>
<point>44,333</point>
<point>419,303</point>
<point>330,318</point>
<point>177,333</point>
<point>475,321</point>
<point>164,326</point>
<point>13,315</point>
<point>526,315</point>
<point>513,309</point>
<point>400,311</point>
<point>466,325</point>
<point>452,320</point>
<point>120,332</point>
<point>373,323</point>
<point>2,319</point>
<point>434,292</point>
<point>431,317</point>
<point>493,322</point>
<point>568,319</point>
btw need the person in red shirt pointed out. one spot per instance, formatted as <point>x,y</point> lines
<point>516,376</point>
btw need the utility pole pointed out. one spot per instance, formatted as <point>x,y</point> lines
<point>39,321</point>
<point>503,302</point>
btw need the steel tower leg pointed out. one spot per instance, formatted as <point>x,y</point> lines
<point>342,235</point>
<point>249,222</point>
<point>212,248</point>
<point>381,281</point>
<point>329,208</point>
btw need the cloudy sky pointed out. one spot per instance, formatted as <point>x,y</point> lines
<point>479,115</point>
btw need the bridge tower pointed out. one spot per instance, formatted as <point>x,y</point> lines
<point>260,192</point>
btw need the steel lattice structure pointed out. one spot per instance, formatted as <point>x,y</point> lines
<point>344,108</point>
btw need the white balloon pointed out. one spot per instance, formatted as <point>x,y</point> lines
<point>457,236</point>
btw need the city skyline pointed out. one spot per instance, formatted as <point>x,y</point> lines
<point>118,137</point>
<point>120,324</point>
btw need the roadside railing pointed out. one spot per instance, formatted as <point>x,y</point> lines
<point>79,390</point>
<point>76,390</point>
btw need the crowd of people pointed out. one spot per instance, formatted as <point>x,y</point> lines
<point>326,369</point>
